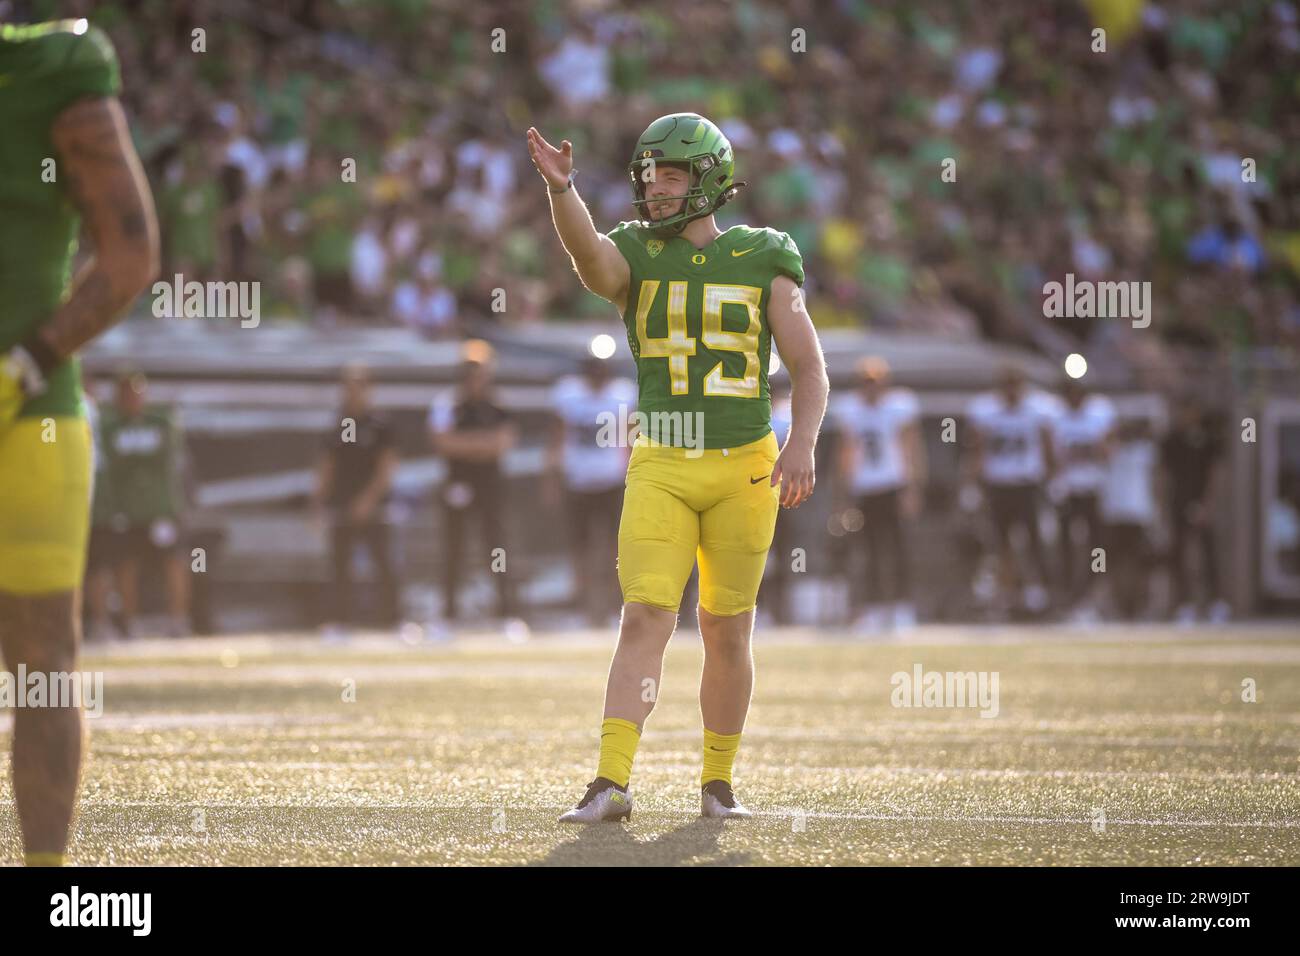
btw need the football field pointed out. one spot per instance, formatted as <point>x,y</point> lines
<point>1114,746</point>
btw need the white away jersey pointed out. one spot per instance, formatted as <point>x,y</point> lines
<point>1128,489</point>
<point>586,413</point>
<point>1013,443</point>
<point>877,435</point>
<point>1077,436</point>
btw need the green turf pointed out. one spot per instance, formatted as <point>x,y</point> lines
<point>242,751</point>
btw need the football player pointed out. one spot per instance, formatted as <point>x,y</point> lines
<point>1080,436</point>
<point>66,160</point>
<point>882,465</point>
<point>702,308</point>
<point>1011,456</point>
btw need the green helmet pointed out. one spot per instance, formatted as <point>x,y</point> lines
<point>689,140</point>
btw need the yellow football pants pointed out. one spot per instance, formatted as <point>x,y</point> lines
<point>45,477</point>
<point>718,508</point>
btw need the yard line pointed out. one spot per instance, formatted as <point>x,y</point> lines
<point>782,813</point>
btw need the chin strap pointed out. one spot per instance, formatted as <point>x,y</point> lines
<point>728,194</point>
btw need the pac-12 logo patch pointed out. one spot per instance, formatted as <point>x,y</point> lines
<point>654,247</point>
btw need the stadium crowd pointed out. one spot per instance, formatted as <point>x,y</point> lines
<point>1123,165</point>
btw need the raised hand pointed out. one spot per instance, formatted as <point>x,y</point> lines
<point>554,164</point>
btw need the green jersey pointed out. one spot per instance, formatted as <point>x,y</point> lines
<point>142,456</point>
<point>697,323</point>
<point>43,69</point>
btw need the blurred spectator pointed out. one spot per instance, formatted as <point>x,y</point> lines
<point>143,459</point>
<point>1010,454</point>
<point>1226,246</point>
<point>473,432</point>
<point>1192,457</point>
<point>354,476</point>
<point>882,467</point>
<point>586,464</point>
<point>424,303</point>
<point>369,267</point>
<point>1124,166</point>
<point>1128,509</point>
<point>1079,434</point>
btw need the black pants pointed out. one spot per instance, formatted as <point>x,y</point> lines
<point>485,508</point>
<point>1078,510</point>
<point>1184,532</point>
<point>1017,504</point>
<point>886,548</point>
<point>1128,567</point>
<point>593,522</point>
<point>374,536</point>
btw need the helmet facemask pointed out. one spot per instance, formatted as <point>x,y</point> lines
<point>706,176</point>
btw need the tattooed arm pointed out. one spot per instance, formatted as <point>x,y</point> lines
<point>105,182</point>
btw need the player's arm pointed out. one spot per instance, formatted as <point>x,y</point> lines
<point>599,264</point>
<point>847,455</point>
<point>505,437</point>
<point>473,444</point>
<point>106,183</point>
<point>796,340</point>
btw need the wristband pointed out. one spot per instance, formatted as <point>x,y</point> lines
<point>567,186</point>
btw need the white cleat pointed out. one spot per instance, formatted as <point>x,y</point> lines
<point>717,800</point>
<point>603,801</point>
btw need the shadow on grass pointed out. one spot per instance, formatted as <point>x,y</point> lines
<point>616,844</point>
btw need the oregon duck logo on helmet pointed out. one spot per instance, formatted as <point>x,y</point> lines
<point>694,143</point>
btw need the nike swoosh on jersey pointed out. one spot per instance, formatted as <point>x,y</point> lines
<point>737,253</point>
<point>754,481</point>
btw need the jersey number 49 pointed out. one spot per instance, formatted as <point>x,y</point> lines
<point>677,346</point>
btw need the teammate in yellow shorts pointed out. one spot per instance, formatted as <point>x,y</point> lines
<point>58,101</point>
<point>702,308</point>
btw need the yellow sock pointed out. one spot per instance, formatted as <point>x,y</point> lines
<point>43,859</point>
<point>719,754</point>
<point>618,740</point>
